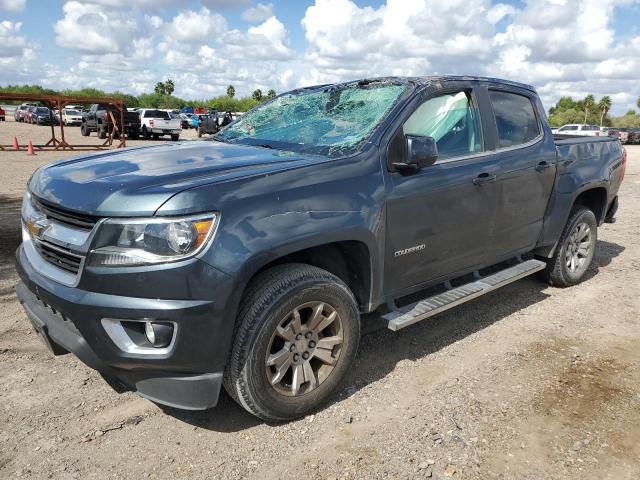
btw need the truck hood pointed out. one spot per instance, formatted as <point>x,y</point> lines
<point>137,181</point>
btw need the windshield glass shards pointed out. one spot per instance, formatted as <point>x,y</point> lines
<point>331,120</point>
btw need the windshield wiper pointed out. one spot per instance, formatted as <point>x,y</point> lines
<point>264,145</point>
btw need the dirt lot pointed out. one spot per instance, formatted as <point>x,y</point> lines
<point>529,382</point>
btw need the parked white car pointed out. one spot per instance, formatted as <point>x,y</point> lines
<point>156,123</point>
<point>578,129</point>
<point>71,116</point>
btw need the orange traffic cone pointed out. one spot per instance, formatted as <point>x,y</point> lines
<point>15,144</point>
<point>30,149</point>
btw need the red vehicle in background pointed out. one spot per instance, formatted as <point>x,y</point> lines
<point>200,111</point>
<point>2,114</point>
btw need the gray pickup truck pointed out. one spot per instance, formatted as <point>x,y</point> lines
<point>249,260</point>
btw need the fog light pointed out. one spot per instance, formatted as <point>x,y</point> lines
<point>158,334</point>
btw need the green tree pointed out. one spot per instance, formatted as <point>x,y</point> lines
<point>169,87</point>
<point>271,94</point>
<point>159,88</point>
<point>257,94</point>
<point>589,103</point>
<point>638,102</point>
<point>604,105</point>
<point>231,91</point>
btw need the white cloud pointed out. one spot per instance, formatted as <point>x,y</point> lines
<point>197,27</point>
<point>404,37</point>
<point>259,13</point>
<point>12,5</point>
<point>500,11</point>
<point>16,54</point>
<point>94,29</point>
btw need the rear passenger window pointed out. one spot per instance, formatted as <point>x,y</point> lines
<point>515,118</point>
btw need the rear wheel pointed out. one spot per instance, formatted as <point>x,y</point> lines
<point>134,135</point>
<point>102,131</point>
<point>297,337</point>
<point>84,131</point>
<point>575,249</point>
<point>175,138</point>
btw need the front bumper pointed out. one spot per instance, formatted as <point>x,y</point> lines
<point>189,376</point>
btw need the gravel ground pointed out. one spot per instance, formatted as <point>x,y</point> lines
<point>528,382</point>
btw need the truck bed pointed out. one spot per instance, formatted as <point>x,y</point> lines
<point>587,150</point>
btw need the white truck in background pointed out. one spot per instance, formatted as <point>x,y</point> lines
<point>578,129</point>
<point>155,123</point>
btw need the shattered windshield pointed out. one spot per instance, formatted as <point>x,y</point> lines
<point>331,120</point>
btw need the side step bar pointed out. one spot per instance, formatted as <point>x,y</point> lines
<point>410,314</point>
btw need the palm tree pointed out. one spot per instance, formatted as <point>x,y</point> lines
<point>257,94</point>
<point>638,102</point>
<point>604,105</point>
<point>271,93</point>
<point>169,87</point>
<point>231,91</point>
<point>589,102</point>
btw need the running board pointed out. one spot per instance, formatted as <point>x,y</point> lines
<point>410,314</point>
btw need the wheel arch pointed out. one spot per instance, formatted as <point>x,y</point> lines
<point>349,260</point>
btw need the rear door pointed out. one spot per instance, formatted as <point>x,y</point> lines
<point>440,219</point>
<point>528,163</point>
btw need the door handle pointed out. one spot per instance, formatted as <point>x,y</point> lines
<point>484,178</point>
<point>542,166</point>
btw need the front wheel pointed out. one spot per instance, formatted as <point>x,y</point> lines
<point>175,138</point>
<point>297,337</point>
<point>575,250</point>
<point>84,131</point>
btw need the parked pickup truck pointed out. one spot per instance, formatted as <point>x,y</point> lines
<point>249,260</point>
<point>98,120</point>
<point>578,129</point>
<point>156,123</point>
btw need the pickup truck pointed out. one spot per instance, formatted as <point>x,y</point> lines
<point>249,260</point>
<point>578,129</point>
<point>156,123</point>
<point>98,120</point>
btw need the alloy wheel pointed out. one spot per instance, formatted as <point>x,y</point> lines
<point>579,248</point>
<point>304,349</point>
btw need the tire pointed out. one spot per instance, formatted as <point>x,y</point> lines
<point>102,132</point>
<point>145,133</point>
<point>175,138</point>
<point>134,135</point>
<point>84,131</point>
<point>155,136</point>
<point>559,271</point>
<point>269,303</point>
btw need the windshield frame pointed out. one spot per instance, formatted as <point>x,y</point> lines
<point>373,136</point>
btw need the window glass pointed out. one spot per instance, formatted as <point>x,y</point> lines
<point>451,121</point>
<point>515,118</point>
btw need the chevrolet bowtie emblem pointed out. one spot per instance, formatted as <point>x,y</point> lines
<point>37,226</point>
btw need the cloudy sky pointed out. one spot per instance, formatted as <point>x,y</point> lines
<point>563,47</point>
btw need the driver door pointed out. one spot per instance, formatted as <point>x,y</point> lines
<point>440,219</point>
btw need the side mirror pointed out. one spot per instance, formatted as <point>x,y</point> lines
<point>421,151</point>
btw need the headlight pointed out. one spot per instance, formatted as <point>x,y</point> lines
<point>151,240</point>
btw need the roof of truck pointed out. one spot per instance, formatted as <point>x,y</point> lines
<point>427,80</point>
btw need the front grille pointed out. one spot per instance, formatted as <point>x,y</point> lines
<point>55,256</point>
<point>67,217</point>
